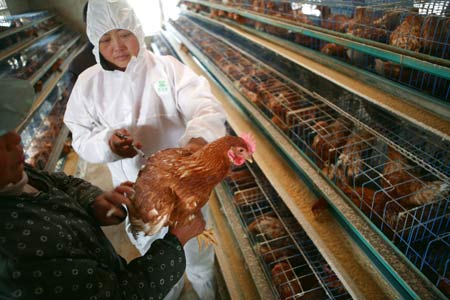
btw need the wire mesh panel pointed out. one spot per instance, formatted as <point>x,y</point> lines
<point>396,173</point>
<point>15,21</point>
<point>437,7</point>
<point>9,41</point>
<point>42,131</point>
<point>25,63</point>
<point>416,26</point>
<point>159,45</point>
<point>289,258</point>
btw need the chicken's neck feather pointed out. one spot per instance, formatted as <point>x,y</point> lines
<point>213,157</point>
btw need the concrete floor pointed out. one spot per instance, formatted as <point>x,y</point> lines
<point>99,175</point>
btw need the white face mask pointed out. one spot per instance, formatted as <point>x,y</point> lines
<point>16,188</point>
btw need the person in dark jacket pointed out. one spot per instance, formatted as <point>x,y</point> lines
<point>51,243</point>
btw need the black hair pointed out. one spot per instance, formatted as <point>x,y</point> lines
<point>85,8</point>
<point>108,66</point>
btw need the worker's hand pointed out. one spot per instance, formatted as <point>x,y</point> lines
<point>108,207</point>
<point>194,228</point>
<point>195,144</point>
<point>121,142</point>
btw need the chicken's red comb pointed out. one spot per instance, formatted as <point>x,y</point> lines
<point>250,141</point>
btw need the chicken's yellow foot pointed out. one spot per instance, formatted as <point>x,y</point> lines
<point>206,238</point>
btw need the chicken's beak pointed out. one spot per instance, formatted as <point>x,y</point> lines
<point>249,159</point>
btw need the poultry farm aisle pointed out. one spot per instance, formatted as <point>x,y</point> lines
<point>244,77</point>
<point>359,275</point>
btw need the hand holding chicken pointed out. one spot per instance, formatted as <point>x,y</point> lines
<point>176,183</point>
<point>107,207</point>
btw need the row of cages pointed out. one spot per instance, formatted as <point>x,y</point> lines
<point>324,8</point>
<point>27,62</point>
<point>159,45</point>
<point>16,21</point>
<point>40,134</point>
<point>406,27</point>
<point>395,173</point>
<point>290,260</point>
<point>20,35</point>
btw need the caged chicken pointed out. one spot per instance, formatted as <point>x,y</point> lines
<point>273,241</point>
<point>329,139</point>
<point>350,164</point>
<point>401,182</point>
<point>286,281</point>
<point>406,36</point>
<point>296,281</point>
<point>174,184</point>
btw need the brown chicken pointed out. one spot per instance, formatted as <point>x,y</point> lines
<point>393,70</point>
<point>303,39</point>
<point>301,286</point>
<point>435,36</point>
<point>271,235</point>
<point>248,86</point>
<point>329,138</point>
<point>242,177</point>
<point>248,196</point>
<point>368,200</point>
<point>257,5</point>
<point>329,21</point>
<point>175,183</point>
<point>401,183</point>
<point>361,25</point>
<point>331,280</point>
<point>333,49</point>
<point>350,163</point>
<point>268,226</point>
<point>408,35</point>
<point>390,20</point>
<point>285,280</point>
<point>277,10</point>
<point>275,255</point>
<point>238,18</point>
<point>336,22</point>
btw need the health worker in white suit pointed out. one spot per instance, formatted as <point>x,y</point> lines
<point>156,102</point>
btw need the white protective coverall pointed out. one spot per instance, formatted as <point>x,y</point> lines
<point>161,102</point>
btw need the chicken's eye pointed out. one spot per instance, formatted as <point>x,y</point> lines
<point>241,150</point>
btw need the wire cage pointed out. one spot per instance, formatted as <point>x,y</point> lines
<point>436,7</point>
<point>41,132</point>
<point>289,258</point>
<point>9,40</point>
<point>25,63</point>
<point>14,21</point>
<point>396,173</point>
<point>416,26</point>
<point>158,44</point>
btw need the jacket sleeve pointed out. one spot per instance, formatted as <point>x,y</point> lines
<point>156,272</point>
<point>203,114</point>
<point>147,277</point>
<point>79,189</point>
<point>89,137</point>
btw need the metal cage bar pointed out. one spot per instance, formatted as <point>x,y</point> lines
<point>355,145</point>
<point>289,257</point>
<point>407,26</point>
<point>24,64</point>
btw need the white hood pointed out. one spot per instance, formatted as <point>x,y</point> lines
<point>160,101</point>
<point>106,15</point>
